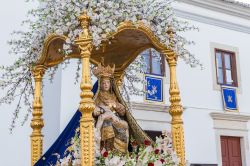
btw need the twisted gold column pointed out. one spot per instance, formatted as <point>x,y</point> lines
<point>37,121</point>
<point>176,108</point>
<point>87,105</point>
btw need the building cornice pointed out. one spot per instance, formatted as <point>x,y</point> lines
<point>212,21</point>
<point>149,107</point>
<point>222,6</point>
<point>230,116</point>
<point>235,2</point>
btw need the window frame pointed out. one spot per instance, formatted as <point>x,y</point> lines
<point>233,65</point>
<point>162,61</point>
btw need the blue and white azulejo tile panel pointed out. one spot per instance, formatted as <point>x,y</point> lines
<point>154,89</point>
<point>229,96</point>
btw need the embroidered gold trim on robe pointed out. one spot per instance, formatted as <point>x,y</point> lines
<point>107,132</point>
<point>120,145</point>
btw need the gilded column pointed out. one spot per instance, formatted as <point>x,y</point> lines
<point>176,108</point>
<point>87,105</point>
<point>37,121</point>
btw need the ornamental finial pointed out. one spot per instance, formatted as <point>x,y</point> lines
<point>84,20</point>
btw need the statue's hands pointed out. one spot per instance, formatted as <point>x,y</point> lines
<point>97,112</point>
<point>120,109</point>
<point>103,109</point>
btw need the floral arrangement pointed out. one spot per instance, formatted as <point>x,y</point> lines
<point>60,17</point>
<point>160,153</point>
<point>72,153</point>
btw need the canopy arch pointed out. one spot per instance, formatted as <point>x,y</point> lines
<point>123,47</point>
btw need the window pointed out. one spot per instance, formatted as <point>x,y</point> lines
<point>154,62</point>
<point>226,68</point>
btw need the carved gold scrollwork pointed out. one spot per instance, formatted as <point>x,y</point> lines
<point>38,72</point>
<point>37,121</point>
<point>87,106</point>
<point>86,48</point>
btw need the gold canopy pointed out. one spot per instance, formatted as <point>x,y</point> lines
<point>125,45</point>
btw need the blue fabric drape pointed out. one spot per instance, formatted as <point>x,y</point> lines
<point>62,142</point>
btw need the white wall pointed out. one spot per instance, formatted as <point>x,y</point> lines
<point>15,148</point>
<point>198,96</point>
<point>70,94</point>
<point>51,108</point>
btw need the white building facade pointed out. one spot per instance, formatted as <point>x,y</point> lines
<point>212,135</point>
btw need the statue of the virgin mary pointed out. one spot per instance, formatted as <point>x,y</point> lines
<point>113,121</point>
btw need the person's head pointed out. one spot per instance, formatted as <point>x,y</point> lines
<point>105,84</point>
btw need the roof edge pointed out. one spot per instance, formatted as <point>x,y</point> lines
<point>229,7</point>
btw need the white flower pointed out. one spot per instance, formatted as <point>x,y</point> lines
<point>158,163</point>
<point>68,41</point>
<point>104,36</point>
<point>66,46</point>
<point>76,162</point>
<point>65,160</point>
<point>59,32</point>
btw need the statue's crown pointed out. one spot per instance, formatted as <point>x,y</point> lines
<point>102,71</point>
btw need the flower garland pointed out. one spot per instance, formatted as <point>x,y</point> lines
<point>160,153</point>
<point>60,17</point>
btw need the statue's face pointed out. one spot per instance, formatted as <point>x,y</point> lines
<point>105,84</point>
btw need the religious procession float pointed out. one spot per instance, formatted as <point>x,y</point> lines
<point>106,36</point>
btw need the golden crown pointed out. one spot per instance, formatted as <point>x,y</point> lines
<point>102,71</point>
